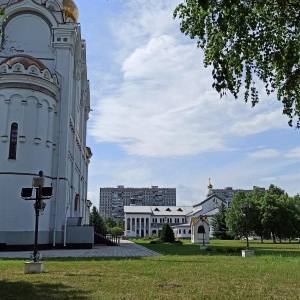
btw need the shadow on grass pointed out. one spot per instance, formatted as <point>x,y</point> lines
<point>38,291</point>
<point>194,249</point>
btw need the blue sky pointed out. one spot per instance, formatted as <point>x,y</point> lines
<point>157,121</point>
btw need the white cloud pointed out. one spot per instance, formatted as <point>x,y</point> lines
<point>164,105</point>
<point>265,153</point>
<point>294,153</point>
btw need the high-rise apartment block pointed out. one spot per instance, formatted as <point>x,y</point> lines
<point>227,193</point>
<point>112,200</point>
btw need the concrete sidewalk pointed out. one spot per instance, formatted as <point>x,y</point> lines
<point>126,249</point>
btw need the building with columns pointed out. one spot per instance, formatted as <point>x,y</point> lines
<point>193,222</point>
<point>44,108</point>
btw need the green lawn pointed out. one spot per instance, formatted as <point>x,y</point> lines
<point>189,275</point>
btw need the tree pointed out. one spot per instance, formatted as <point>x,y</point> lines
<point>110,223</point>
<point>96,220</point>
<point>167,234</point>
<point>219,224</point>
<point>280,215</point>
<point>2,13</point>
<point>246,40</point>
<point>118,231</point>
<point>235,220</point>
<point>256,199</point>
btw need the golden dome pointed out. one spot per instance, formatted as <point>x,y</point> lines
<point>71,10</point>
<point>210,186</point>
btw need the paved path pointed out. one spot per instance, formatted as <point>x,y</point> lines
<point>126,249</point>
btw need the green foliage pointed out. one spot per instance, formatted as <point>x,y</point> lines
<point>248,41</point>
<point>272,213</point>
<point>2,13</point>
<point>110,222</point>
<point>167,234</point>
<point>219,224</point>
<point>116,231</point>
<point>280,214</point>
<point>235,219</point>
<point>96,220</point>
<point>178,242</point>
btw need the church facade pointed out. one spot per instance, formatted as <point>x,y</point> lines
<point>44,108</point>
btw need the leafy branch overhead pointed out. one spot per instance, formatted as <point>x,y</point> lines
<point>2,12</point>
<point>246,40</point>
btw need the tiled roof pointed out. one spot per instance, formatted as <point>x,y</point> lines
<point>24,60</point>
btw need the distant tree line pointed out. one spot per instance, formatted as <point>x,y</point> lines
<point>267,214</point>
<point>107,224</point>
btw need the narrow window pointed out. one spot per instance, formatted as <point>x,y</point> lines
<point>13,141</point>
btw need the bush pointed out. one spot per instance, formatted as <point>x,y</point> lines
<point>116,231</point>
<point>239,250</point>
<point>230,250</point>
<point>178,242</point>
<point>220,250</point>
<point>167,234</point>
<point>153,242</point>
<point>208,249</point>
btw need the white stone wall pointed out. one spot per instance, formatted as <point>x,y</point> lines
<point>52,126</point>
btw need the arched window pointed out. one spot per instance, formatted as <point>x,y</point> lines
<point>183,231</point>
<point>201,229</point>
<point>190,231</point>
<point>13,141</point>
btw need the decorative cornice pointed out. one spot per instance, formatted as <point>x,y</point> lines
<point>28,86</point>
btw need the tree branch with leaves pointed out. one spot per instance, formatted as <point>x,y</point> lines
<point>246,41</point>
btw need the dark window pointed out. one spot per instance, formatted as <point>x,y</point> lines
<point>13,141</point>
<point>201,229</point>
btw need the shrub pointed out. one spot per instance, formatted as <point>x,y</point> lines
<point>178,242</point>
<point>153,242</point>
<point>116,231</point>
<point>220,250</point>
<point>167,234</point>
<point>208,249</point>
<point>239,250</point>
<point>230,250</point>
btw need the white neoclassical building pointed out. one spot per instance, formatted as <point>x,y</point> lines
<point>192,222</point>
<point>44,108</point>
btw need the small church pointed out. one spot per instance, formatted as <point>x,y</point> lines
<point>187,222</point>
<point>44,109</point>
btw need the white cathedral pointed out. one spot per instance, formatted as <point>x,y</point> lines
<point>44,108</point>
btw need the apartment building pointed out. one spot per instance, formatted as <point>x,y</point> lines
<point>113,200</point>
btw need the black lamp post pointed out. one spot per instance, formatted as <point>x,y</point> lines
<point>202,219</point>
<point>41,193</point>
<point>245,207</point>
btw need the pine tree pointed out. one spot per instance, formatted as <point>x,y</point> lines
<point>96,220</point>
<point>167,234</point>
<point>219,224</point>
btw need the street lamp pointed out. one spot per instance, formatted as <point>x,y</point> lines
<point>41,193</point>
<point>245,207</point>
<point>202,218</point>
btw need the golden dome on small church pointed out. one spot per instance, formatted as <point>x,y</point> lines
<point>71,10</point>
<point>210,186</point>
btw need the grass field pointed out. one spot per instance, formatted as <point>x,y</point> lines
<point>183,273</point>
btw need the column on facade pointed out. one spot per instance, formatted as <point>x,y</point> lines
<point>140,227</point>
<point>7,102</point>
